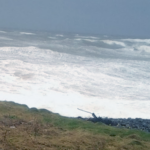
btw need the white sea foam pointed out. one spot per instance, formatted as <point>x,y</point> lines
<point>137,40</point>
<point>114,42</point>
<point>65,74</point>
<point>54,38</point>
<point>27,33</point>
<point>2,32</point>
<point>78,39</point>
<point>143,48</point>
<point>60,35</point>
<point>5,38</point>
<point>90,40</point>
<point>86,37</point>
<point>63,82</point>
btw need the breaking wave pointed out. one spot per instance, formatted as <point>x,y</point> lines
<point>67,71</point>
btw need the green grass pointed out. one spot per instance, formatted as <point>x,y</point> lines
<point>64,132</point>
<point>96,128</point>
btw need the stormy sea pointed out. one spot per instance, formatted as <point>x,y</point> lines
<point>107,75</point>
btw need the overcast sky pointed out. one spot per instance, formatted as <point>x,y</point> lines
<point>111,17</point>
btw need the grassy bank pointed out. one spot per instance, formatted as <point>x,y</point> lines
<point>22,128</point>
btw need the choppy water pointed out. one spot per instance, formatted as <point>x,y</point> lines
<point>63,72</point>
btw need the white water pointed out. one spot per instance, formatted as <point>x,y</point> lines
<point>109,77</point>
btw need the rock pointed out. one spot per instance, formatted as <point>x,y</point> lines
<point>138,123</point>
<point>12,127</point>
<point>127,126</point>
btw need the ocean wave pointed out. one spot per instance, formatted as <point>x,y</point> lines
<point>27,33</point>
<point>5,38</point>
<point>143,48</point>
<point>86,37</point>
<point>137,40</point>
<point>111,42</point>
<point>60,35</point>
<point>90,40</point>
<point>109,75</point>
<point>3,32</point>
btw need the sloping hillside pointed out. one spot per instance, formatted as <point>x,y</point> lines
<point>22,128</point>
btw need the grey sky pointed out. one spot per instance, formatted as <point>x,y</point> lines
<point>115,17</point>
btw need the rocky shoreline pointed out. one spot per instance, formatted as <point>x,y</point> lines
<point>137,123</point>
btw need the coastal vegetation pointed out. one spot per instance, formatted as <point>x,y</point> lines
<point>23,128</point>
